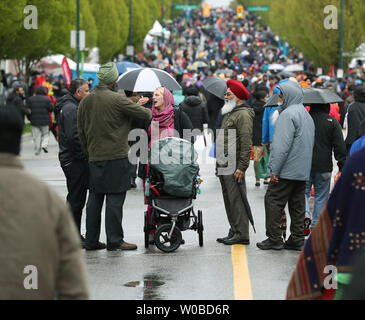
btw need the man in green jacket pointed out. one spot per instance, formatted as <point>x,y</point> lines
<point>104,121</point>
<point>233,162</point>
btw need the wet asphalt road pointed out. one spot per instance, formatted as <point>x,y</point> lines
<point>191,272</point>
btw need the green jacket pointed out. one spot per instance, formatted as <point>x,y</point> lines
<point>104,121</point>
<point>241,120</point>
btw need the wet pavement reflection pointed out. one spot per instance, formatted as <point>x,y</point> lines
<point>150,286</point>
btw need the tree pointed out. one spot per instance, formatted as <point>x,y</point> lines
<point>141,22</point>
<point>11,22</point>
<point>88,23</point>
<point>154,10</point>
<point>301,24</point>
<point>52,36</point>
<point>108,24</point>
<point>123,20</point>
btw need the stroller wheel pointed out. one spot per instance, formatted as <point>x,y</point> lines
<point>163,242</point>
<point>200,227</point>
<point>146,230</point>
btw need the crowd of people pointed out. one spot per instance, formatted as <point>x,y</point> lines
<point>92,131</point>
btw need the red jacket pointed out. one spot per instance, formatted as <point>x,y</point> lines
<point>335,111</point>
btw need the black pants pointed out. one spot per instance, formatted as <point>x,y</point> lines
<point>236,212</point>
<point>276,198</point>
<point>77,179</point>
<point>113,218</point>
<point>133,170</point>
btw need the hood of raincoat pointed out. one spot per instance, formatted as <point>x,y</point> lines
<point>359,94</point>
<point>41,91</point>
<point>193,101</point>
<point>292,94</point>
<point>68,98</point>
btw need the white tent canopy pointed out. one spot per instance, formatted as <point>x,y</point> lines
<point>57,60</point>
<point>294,68</point>
<point>147,40</point>
<point>157,31</point>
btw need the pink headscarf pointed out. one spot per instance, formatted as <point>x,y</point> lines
<point>163,120</point>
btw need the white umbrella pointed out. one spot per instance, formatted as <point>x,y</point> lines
<point>147,80</point>
<point>245,53</point>
<point>324,78</point>
<point>294,68</point>
<point>276,66</point>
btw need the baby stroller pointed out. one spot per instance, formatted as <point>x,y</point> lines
<point>170,189</point>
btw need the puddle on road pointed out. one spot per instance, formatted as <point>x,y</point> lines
<point>145,284</point>
<point>149,286</point>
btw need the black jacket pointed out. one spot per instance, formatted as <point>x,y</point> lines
<point>355,114</point>
<point>18,101</point>
<point>181,122</point>
<point>258,107</point>
<point>68,137</point>
<point>40,106</point>
<point>196,110</point>
<point>328,137</point>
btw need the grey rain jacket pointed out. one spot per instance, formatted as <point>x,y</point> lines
<point>292,146</point>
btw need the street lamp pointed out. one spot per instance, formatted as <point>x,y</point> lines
<point>130,22</point>
<point>77,38</point>
<point>341,36</point>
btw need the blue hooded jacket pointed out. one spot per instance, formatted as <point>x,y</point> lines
<point>267,123</point>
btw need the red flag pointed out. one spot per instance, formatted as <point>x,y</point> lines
<point>66,72</point>
<point>332,71</point>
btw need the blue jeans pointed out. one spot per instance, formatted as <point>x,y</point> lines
<point>322,184</point>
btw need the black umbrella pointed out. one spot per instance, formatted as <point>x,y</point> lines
<point>311,96</point>
<point>272,101</point>
<point>216,86</point>
<point>246,205</point>
<point>320,96</point>
<point>286,74</point>
<point>147,79</point>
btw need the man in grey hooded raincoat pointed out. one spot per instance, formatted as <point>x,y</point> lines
<point>290,164</point>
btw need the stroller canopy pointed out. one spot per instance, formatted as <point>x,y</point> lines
<point>175,159</point>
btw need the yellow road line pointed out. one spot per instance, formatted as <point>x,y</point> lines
<point>241,275</point>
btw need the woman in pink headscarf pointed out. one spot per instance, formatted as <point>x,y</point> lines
<point>162,124</point>
<point>167,121</point>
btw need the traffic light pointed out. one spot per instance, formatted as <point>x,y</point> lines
<point>240,11</point>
